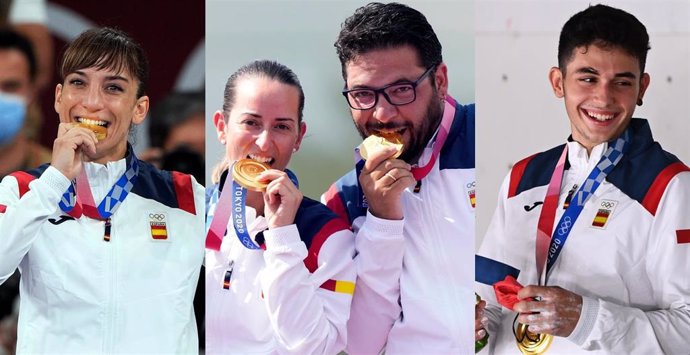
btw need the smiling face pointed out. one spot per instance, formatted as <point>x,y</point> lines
<point>601,87</point>
<point>263,124</point>
<point>416,121</point>
<point>106,98</point>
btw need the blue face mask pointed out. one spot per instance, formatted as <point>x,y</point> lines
<point>12,114</point>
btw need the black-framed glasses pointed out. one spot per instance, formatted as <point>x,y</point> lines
<point>396,94</point>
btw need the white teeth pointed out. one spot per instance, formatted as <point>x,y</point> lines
<point>399,131</point>
<point>260,158</point>
<point>600,117</point>
<point>92,122</point>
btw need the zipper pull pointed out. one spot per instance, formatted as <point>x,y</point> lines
<point>569,198</point>
<point>228,276</point>
<point>106,234</point>
<point>418,187</point>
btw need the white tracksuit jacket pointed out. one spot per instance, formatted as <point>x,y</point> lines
<point>293,297</point>
<point>414,287</point>
<point>81,294</point>
<point>632,271</point>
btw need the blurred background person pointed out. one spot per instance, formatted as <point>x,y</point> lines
<point>28,18</point>
<point>176,134</point>
<point>18,70</point>
<point>17,151</point>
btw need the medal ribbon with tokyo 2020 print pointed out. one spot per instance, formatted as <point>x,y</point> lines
<point>232,203</point>
<point>549,247</point>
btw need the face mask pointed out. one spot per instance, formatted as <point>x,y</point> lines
<point>12,114</point>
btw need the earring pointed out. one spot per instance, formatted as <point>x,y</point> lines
<point>294,150</point>
<point>639,102</point>
<point>222,141</point>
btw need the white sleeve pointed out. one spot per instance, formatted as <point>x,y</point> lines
<point>623,329</point>
<point>375,306</point>
<point>306,318</point>
<point>23,217</point>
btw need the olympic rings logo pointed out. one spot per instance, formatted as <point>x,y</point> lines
<point>607,204</point>
<point>565,226</point>
<point>157,216</point>
<point>471,185</point>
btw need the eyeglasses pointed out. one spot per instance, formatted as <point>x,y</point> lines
<point>396,94</point>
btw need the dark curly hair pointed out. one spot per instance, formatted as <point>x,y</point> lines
<point>604,26</point>
<point>380,26</point>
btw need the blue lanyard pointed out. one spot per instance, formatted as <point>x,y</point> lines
<point>239,220</point>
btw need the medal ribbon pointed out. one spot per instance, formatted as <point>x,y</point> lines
<point>549,247</point>
<point>81,202</point>
<point>239,219</point>
<point>233,202</point>
<point>448,114</point>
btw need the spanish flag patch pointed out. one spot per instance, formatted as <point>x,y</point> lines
<point>471,193</point>
<point>604,211</point>
<point>339,286</point>
<point>159,229</point>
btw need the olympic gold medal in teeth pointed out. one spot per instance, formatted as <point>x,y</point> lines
<point>532,343</point>
<point>245,171</point>
<point>90,124</point>
<point>376,142</point>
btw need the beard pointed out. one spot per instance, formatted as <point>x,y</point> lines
<point>419,136</point>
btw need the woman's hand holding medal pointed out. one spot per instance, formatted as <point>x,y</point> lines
<point>69,147</point>
<point>281,198</point>
<point>557,311</point>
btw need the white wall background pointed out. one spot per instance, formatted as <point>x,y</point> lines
<point>517,113</point>
<point>300,34</point>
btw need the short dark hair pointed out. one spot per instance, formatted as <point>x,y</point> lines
<point>381,26</point>
<point>12,40</point>
<point>106,48</point>
<point>262,68</point>
<point>604,26</point>
<point>173,110</point>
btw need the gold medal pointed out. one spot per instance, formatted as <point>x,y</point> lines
<point>100,131</point>
<point>531,343</point>
<point>374,143</point>
<point>245,171</point>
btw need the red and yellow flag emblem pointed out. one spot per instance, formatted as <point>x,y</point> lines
<point>159,229</point>
<point>339,286</point>
<point>471,188</point>
<point>605,211</point>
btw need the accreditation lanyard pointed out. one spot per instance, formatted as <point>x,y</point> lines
<point>548,245</point>
<point>233,202</point>
<point>418,172</point>
<point>78,201</point>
